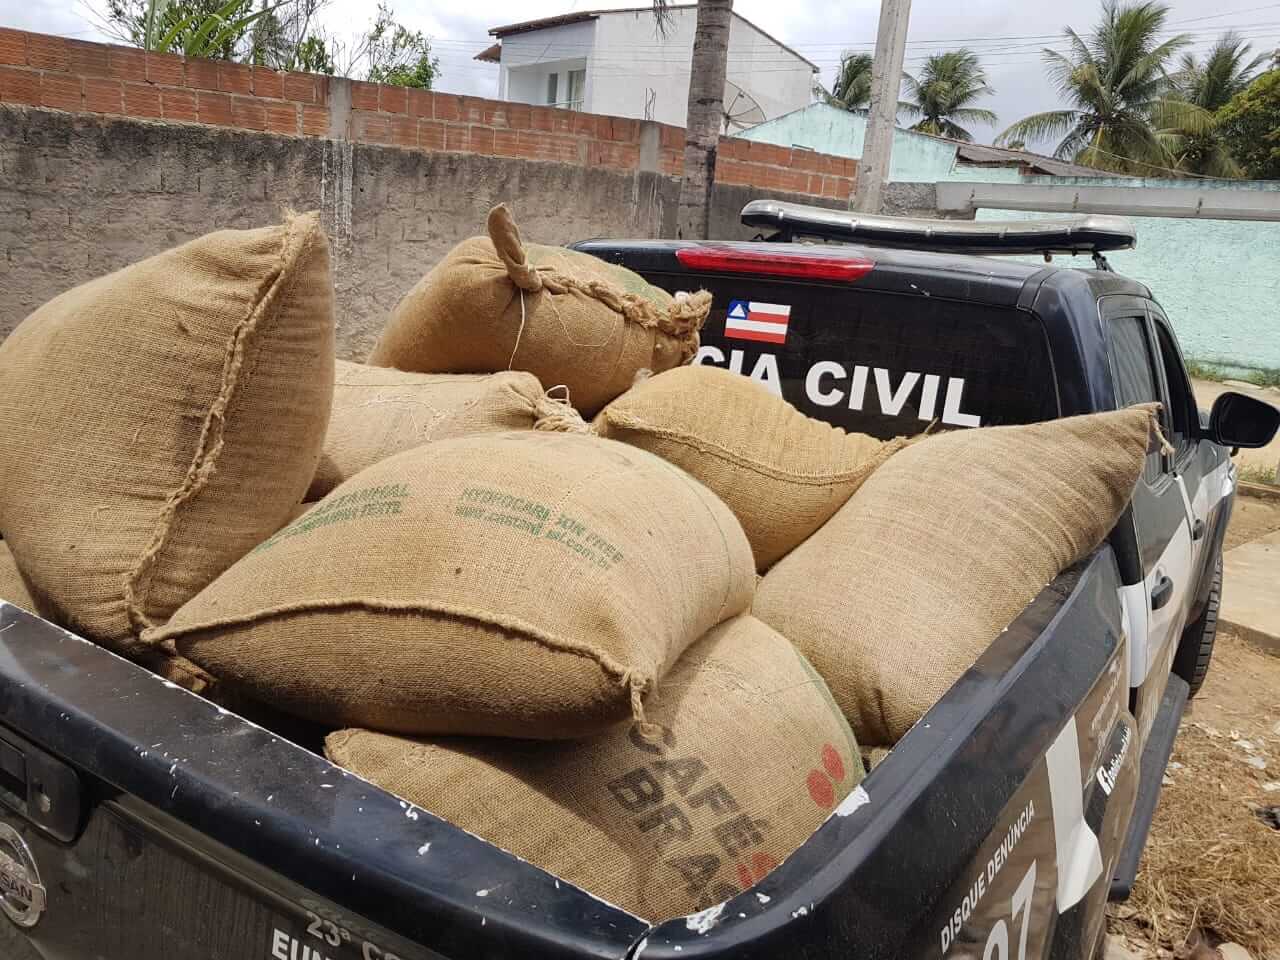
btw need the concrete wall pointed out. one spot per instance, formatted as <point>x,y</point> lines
<point>1218,281</point>
<point>915,159</point>
<point>62,74</point>
<point>81,196</point>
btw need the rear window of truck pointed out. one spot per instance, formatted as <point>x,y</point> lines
<point>880,363</point>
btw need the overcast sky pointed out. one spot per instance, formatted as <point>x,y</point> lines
<point>1007,34</point>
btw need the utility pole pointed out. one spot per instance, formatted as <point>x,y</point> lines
<point>882,113</point>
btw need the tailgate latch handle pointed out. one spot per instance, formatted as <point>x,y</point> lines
<point>40,787</point>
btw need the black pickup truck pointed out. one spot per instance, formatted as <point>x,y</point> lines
<point>138,821</point>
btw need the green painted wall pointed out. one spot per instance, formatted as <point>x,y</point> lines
<point>1218,280</point>
<point>916,158</point>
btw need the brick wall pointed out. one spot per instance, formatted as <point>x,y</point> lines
<point>57,73</point>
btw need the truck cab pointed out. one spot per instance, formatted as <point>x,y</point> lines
<point>889,326</point>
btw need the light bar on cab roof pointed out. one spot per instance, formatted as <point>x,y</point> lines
<point>799,262</point>
<point>1083,233</point>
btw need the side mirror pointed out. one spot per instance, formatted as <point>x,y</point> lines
<point>1239,420</point>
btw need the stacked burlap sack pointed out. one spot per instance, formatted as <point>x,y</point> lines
<point>159,422</point>
<point>478,587</point>
<point>484,596</point>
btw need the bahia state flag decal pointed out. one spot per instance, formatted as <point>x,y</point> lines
<point>753,320</point>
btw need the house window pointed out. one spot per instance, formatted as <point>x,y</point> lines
<point>552,88</point>
<point>577,85</point>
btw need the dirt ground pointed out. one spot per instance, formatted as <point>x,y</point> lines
<point>1211,870</point>
<point>1207,391</point>
<point>1252,517</point>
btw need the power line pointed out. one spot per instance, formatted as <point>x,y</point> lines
<point>775,59</point>
<point>777,56</point>
<point>1153,166</point>
<point>1214,16</point>
<point>1024,40</point>
<point>1172,29</point>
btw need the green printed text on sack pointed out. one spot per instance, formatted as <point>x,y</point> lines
<point>380,501</point>
<point>534,518</point>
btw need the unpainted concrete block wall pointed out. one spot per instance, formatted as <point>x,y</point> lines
<point>82,195</point>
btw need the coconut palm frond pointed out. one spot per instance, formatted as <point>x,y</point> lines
<point>944,92</point>
<point>1040,126</point>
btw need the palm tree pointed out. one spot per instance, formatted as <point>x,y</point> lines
<point>1210,84</point>
<point>852,89</point>
<point>705,114</point>
<point>941,97</point>
<point>1124,115</point>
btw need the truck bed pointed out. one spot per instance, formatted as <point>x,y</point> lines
<point>192,832</point>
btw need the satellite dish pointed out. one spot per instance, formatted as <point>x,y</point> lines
<point>740,109</point>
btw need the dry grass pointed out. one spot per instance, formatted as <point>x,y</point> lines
<point>1256,473</point>
<point>1211,862</point>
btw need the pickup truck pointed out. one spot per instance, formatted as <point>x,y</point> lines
<point>139,821</point>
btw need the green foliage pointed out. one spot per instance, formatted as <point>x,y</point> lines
<point>284,39</point>
<point>194,28</point>
<point>1253,473</point>
<point>1202,370</point>
<point>943,96</point>
<point>1250,124</point>
<point>852,89</point>
<point>1265,376</point>
<point>312,56</point>
<point>1124,111</point>
<point>1210,84</point>
<point>280,34</point>
<point>1224,72</point>
<point>1208,370</point>
<point>398,55</point>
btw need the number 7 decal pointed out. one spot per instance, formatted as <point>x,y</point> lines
<point>1022,902</point>
<point>998,938</point>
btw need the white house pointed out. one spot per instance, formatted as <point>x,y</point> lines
<point>617,62</point>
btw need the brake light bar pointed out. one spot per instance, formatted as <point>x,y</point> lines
<point>802,264</point>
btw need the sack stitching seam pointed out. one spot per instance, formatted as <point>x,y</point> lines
<point>141,577</point>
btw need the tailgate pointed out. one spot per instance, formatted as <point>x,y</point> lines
<point>197,834</point>
<point>990,830</point>
<point>185,831</point>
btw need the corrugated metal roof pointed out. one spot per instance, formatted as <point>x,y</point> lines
<point>981,153</point>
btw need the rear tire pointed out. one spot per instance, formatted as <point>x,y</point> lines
<point>1195,650</point>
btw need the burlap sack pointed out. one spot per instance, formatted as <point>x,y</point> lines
<point>781,473</point>
<point>495,303</point>
<point>513,584</point>
<point>158,422</point>
<point>13,589</point>
<point>754,757</point>
<point>378,412</point>
<point>942,547</point>
<point>872,757</point>
<point>298,512</point>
